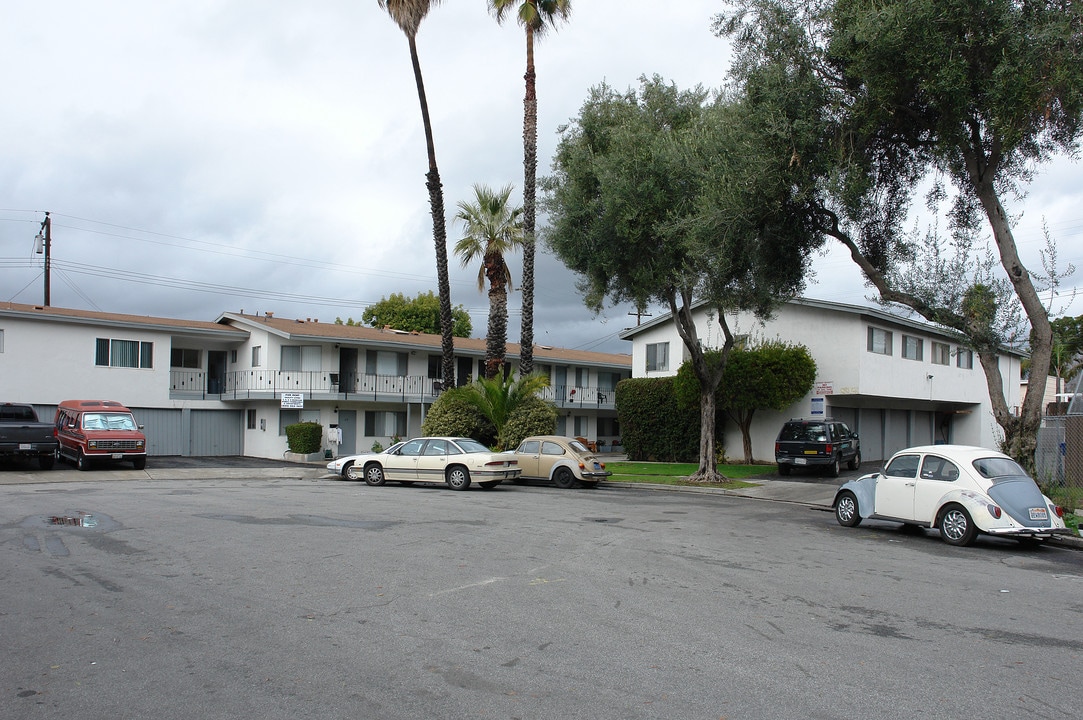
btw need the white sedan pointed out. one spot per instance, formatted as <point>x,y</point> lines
<point>453,461</point>
<point>957,489</point>
<point>349,466</point>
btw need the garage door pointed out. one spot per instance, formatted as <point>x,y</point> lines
<point>217,432</point>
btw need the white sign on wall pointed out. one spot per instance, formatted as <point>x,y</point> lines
<point>825,387</point>
<point>817,407</point>
<point>293,400</point>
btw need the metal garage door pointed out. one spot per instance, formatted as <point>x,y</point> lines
<point>163,428</point>
<point>217,432</point>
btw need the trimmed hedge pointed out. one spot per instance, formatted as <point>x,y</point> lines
<point>452,416</point>
<point>304,438</point>
<point>534,417</point>
<point>653,424</point>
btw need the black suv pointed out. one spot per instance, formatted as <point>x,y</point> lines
<point>816,443</point>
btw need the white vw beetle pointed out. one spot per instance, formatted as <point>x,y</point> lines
<point>958,489</point>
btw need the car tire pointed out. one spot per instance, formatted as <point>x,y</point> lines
<point>139,463</point>
<point>855,461</point>
<point>489,485</point>
<point>783,470</point>
<point>846,510</point>
<point>81,462</point>
<point>563,478</point>
<point>956,526</point>
<point>374,475</point>
<point>457,477</point>
<point>835,467</point>
<point>348,471</point>
<point>45,462</point>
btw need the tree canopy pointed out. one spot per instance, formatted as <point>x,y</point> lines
<point>417,314</point>
<point>658,194</point>
<point>975,93</point>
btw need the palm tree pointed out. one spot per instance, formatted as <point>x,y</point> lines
<point>492,229</point>
<point>536,17</point>
<point>408,15</point>
<point>497,399</point>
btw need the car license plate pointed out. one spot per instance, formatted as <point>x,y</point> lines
<point>118,456</point>
<point>1039,514</point>
<point>597,466</point>
<point>799,461</point>
<point>26,446</point>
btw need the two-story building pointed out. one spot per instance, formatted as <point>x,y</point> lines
<point>230,387</point>
<point>898,382</point>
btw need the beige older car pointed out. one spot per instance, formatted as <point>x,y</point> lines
<point>563,460</point>
<point>451,461</point>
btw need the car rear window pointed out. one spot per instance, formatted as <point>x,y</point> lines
<point>802,432</point>
<point>996,467</point>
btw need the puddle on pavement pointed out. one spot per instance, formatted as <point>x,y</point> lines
<point>98,522</point>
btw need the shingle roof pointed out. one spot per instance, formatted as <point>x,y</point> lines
<point>57,314</point>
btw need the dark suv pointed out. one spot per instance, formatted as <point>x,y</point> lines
<point>816,443</point>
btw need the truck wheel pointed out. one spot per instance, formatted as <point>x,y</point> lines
<point>139,463</point>
<point>45,462</point>
<point>81,462</point>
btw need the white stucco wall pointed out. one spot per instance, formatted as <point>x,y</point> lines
<point>890,400</point>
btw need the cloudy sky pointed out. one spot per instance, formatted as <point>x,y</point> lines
<point>218,155</point>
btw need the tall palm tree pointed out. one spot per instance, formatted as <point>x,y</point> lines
<point>492,229</point>
<point>408,15</point>
<point>536,17</point>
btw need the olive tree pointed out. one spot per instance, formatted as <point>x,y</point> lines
<point>976,93</point>
<point>662,195</point>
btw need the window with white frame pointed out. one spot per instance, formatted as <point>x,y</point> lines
<point>1,340</point>
<point>250,417</point>
<point>879,341</point>
<point>300,357</point>
<point>657,356</point>
<point>123,353</point>
<point>257,352</point>
<point>384,423</point>
<point>941,353</point>
<point>913,348</point>
<point>385,362</point>
<point>964,359</point>
<point>186,358</point>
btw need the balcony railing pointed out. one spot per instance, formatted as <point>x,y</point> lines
<point>323,385</point>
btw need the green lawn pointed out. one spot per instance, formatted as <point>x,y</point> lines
<point>675,473</point>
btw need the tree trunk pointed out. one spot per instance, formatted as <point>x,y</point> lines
<point>530,163</point>
<point>439,231</point>
<point>497,335</point>
<point>1016,440</point>
<point>746,436</point>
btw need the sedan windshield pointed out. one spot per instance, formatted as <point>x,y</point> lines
<point>997,467</point>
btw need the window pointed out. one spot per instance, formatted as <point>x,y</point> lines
<point>941,354</point>
<point>1,340</point>
<point>292,416</point>
<point>904,466</point>
<point>185,358</point>
<point>233,356</point>
<point>658,357</point>
<point>913,348</point>
<point>300,357</point>
<point>965,359</point>
<point>436,369</point>
<point>382,362</point>
<point>251,417</point>
<point>256,356</point>
<point>123,353</point>
<point>937,468</point>
<point>879,341</point>
<point>384,423</point>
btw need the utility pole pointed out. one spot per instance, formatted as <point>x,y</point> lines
<point>45,242</point>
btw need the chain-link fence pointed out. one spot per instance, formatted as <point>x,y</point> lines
<point>1059,457</point>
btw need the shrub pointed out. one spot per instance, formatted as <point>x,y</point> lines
<point>653,424</point>
<point>452,416</point>
<point>533,417</point>
<point>304,438</point>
